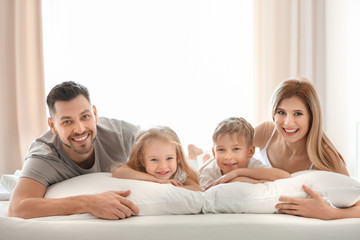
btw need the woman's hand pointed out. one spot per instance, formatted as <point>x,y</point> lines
<point>313,207</point>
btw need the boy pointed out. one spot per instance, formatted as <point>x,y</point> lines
<point>233,150</point>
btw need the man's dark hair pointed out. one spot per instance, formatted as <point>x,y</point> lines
<point>65,91</point>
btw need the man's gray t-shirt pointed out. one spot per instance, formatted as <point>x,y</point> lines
<point>47,162</point>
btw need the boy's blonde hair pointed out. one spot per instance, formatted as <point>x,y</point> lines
<point>144,138</point>
<point>237,127</point>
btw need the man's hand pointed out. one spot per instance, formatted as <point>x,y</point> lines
<point>112,205</point>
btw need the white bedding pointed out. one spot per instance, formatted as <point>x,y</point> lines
<point>192,226</point>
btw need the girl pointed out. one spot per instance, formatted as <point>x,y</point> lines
<point>158,156</point>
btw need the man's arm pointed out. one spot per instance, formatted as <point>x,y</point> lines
<point>27,201</point>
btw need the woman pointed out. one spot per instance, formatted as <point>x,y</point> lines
<point>295,141</point>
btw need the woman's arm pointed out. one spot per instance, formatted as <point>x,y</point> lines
<point>315,207</point>
<point>262,133</point>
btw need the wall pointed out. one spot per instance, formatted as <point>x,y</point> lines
<point>341,108</point>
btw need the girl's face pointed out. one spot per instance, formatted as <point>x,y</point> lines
<point>159,159</point>
<point>292,119</point>
<point>230,153</point>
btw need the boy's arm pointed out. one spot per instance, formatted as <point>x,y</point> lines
<point>27,201</point>
<point>267,174</point>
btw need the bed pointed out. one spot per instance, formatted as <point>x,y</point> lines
<point>228,211</point>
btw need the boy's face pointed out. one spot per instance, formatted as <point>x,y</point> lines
<point>231,153</point>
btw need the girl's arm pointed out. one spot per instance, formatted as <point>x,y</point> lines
<point>128,173</point>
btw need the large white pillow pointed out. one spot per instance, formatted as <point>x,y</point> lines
<point>339,190</point>
<point>151,198</point>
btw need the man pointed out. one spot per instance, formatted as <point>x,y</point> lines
<point>77,143</point>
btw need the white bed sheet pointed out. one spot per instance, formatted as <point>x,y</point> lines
<point>201,226</point>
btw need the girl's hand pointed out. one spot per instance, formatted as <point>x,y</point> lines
<point>313,207</point>
<point>172,181</point>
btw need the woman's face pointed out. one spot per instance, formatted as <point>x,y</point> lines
<point>292,119</point>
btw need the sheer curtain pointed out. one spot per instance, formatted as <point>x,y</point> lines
<point>289,41</point>
<point>22,101</point>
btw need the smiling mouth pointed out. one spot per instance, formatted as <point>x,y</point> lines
<point>229,164</point>
<point>163,173</point>
<point>291,130</point>
<point>80,139</point>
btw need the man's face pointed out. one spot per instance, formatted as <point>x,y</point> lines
<point>75,123</point>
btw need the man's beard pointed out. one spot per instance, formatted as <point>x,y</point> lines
<point>81,152</point>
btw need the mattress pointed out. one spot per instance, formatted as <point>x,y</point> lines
<point>197,226</point>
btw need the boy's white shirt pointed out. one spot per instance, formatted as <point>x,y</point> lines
<point>212,171</point>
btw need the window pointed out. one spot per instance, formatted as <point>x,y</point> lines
<point>186,64</point>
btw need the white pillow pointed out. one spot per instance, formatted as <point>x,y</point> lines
<point>339,190</point>
<point>9,181</point>
<point>151,198</point>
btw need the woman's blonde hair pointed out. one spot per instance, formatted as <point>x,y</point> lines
<point>144,138</point>
<point>317,141</point>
